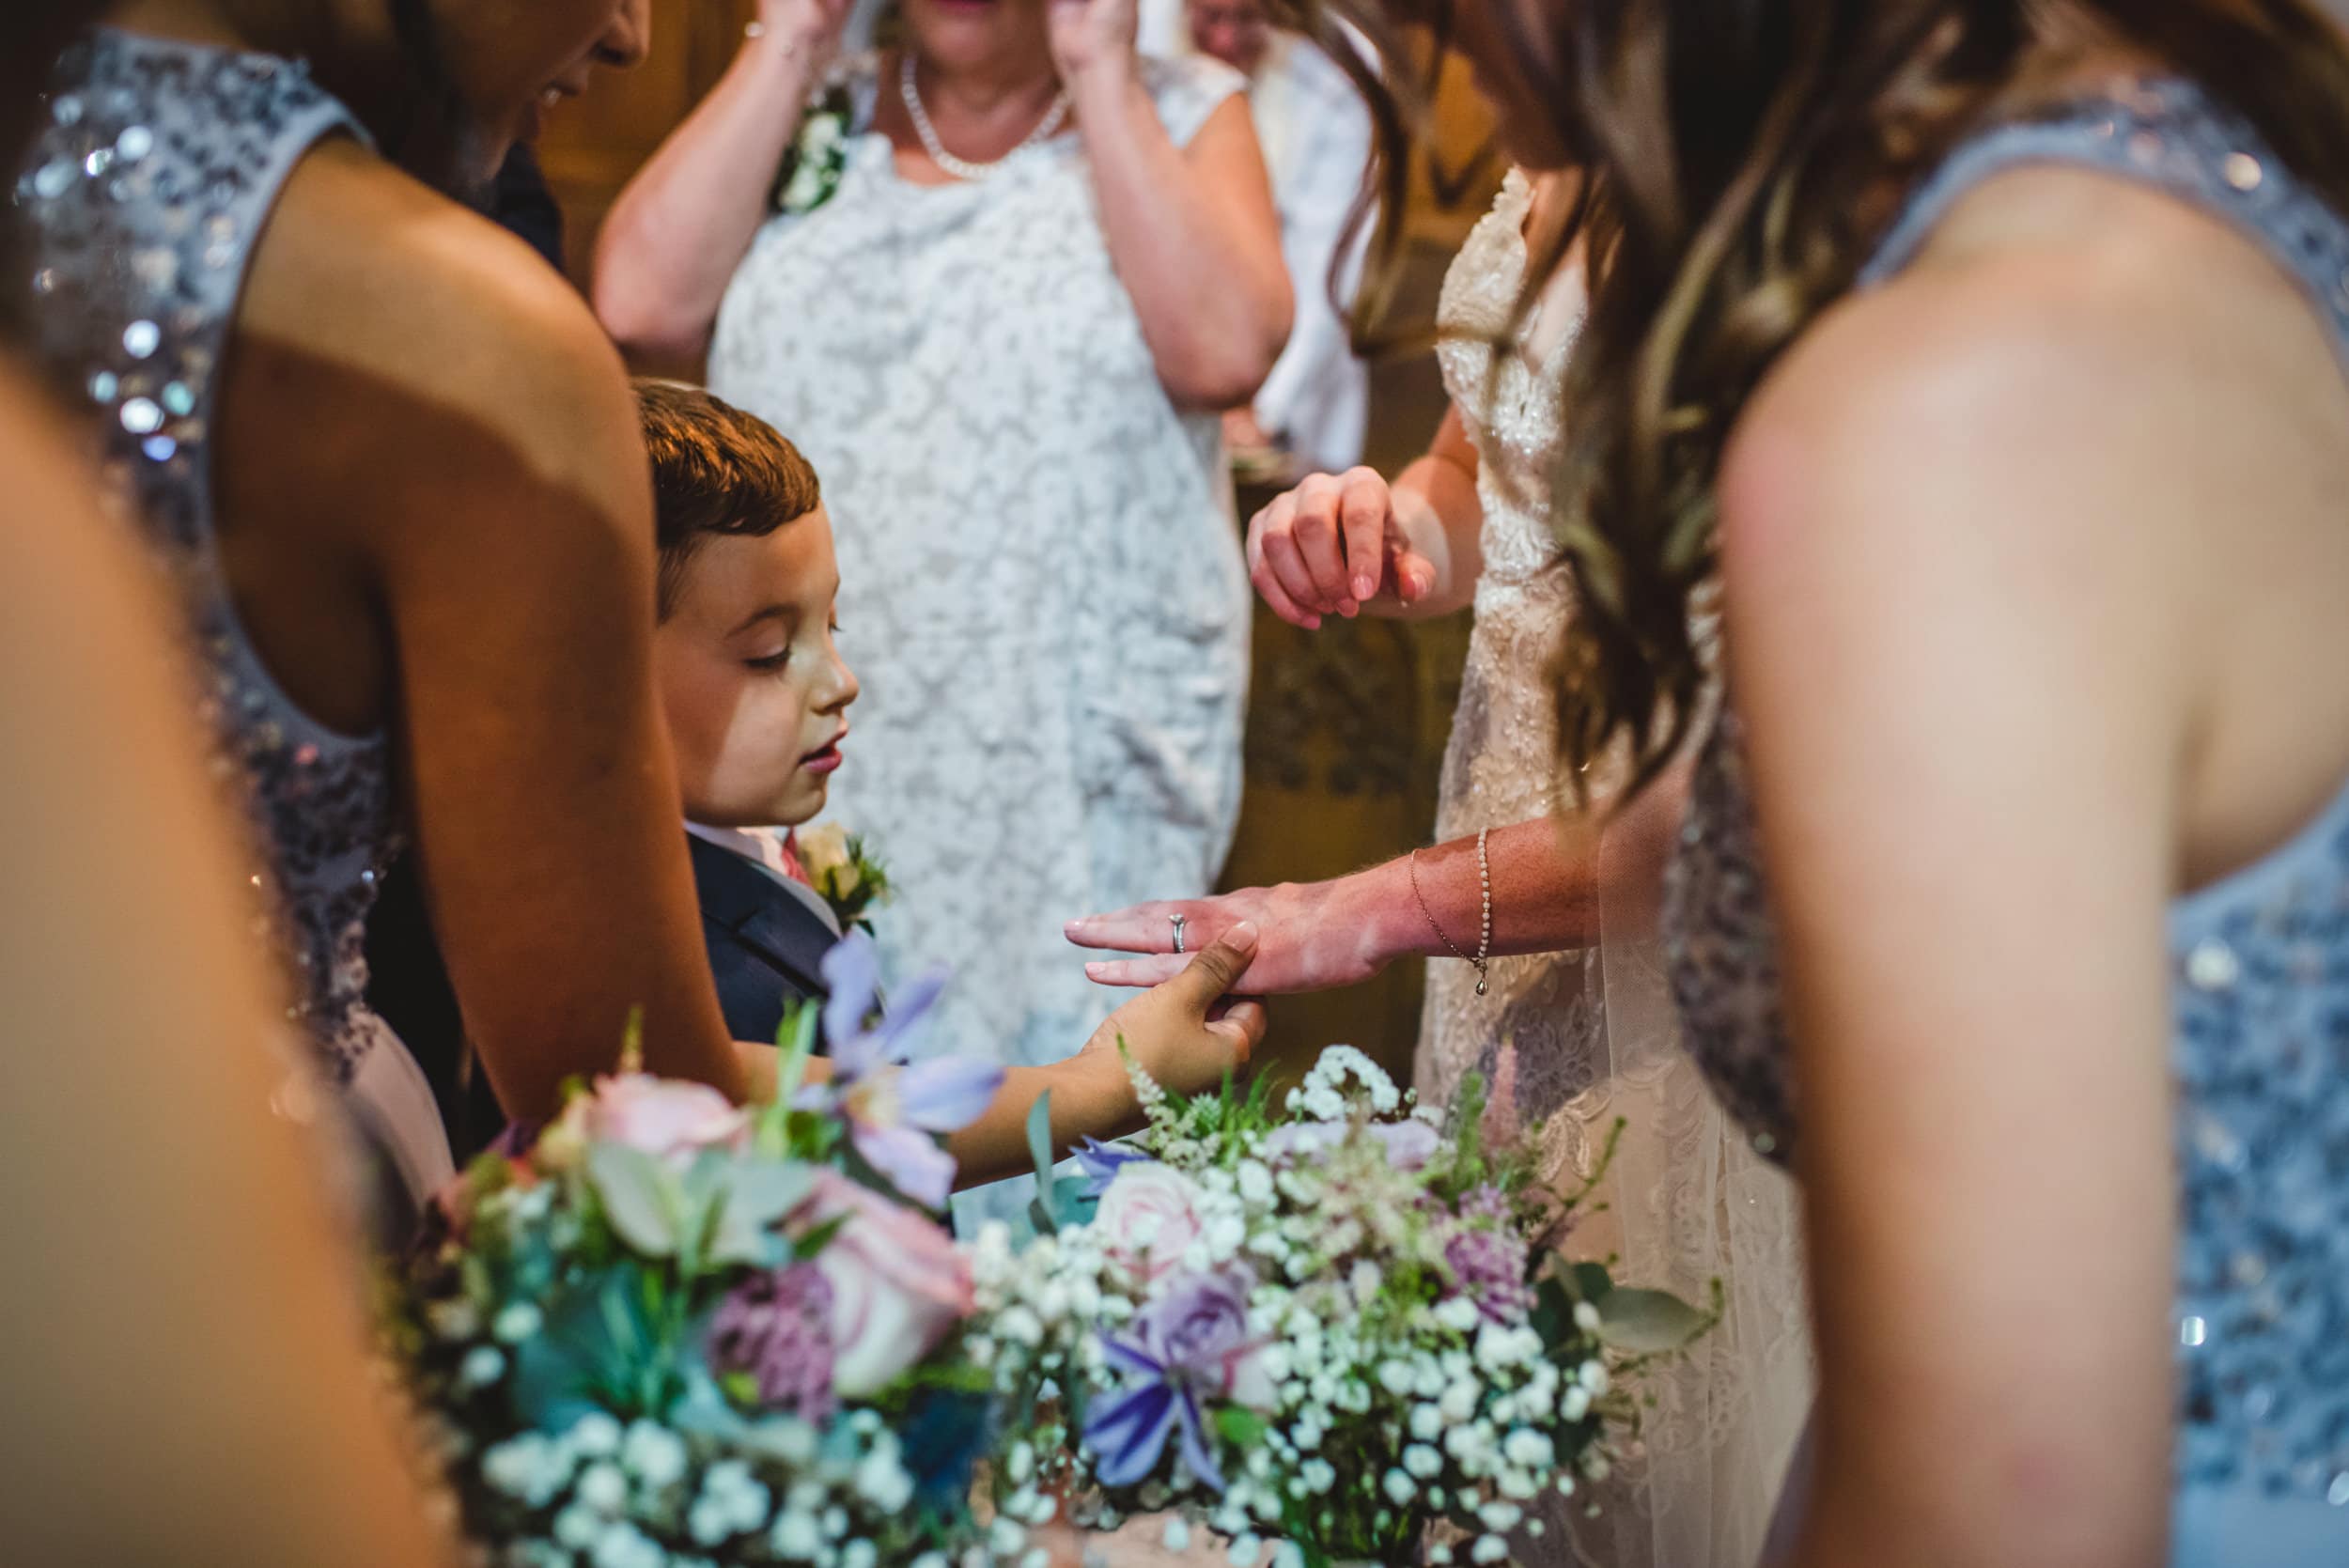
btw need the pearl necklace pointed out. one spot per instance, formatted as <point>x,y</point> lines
<point>962,168</point>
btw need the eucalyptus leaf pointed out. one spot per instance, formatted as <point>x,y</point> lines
<point>1040,1138</point>
<point>795,1038</point>
<point>1592,1282</point>
<point>640,1196</point>
<point>1648,1322</point>
<point>762,1194</point>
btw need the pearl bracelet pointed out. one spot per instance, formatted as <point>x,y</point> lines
<point>1482,963</point>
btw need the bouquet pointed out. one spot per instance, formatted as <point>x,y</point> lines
<point>1335,1327</point>
<point>843,869</point>
<point>678,1332</point>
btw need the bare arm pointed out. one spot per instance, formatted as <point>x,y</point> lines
<point>1191,230</point>
<point>477,453</point>
<point>184,1318</point>
<point>1549,881</point>
<point>1965,663</point>
<point>683,225</point>
<point>1186,1034</point>
<point>1341,544</point>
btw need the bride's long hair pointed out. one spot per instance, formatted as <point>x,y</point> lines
<point>1753,149</point>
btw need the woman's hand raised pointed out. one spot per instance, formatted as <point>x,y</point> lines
<point>1089,35</point>
<point>813,26</point>
<point>1333,545</point>
<point>1188,1033</point>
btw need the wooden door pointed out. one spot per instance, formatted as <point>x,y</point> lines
<point>592,147</point>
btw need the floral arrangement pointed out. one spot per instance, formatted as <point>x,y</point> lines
<point>1333,1326</point>
<point>818,156</point>
<point>841,868</point>
<point>676,1333</point>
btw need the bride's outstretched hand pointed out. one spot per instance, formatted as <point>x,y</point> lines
<point>1333,545</point>
<point>1311,937</point>
<point>1191,1031</point>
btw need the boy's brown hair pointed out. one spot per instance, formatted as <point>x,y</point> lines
<point>715,470</point>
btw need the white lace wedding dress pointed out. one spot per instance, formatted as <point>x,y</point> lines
<point>1568,1043</point>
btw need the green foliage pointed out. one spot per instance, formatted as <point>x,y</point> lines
<point>1648,1322</point>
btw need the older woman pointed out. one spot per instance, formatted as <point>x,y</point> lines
<point>1016,271</point>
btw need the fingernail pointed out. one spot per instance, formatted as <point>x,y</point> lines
<point>1244,934</point>
<point>1313,623</point>
<point>1348,609</point>
<point>1365,586</point>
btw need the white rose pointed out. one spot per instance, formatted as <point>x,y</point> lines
<point>1148,1220</point>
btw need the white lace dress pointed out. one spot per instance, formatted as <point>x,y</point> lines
<point>1042,585</point>
<point>1568,1043</point>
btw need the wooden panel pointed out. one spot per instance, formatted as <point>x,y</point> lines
<point>593,147</point>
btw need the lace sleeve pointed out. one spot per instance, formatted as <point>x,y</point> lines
<point>1186,91</point>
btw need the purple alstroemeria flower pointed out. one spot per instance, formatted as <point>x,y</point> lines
<point>1193,1344</point>
<point>1102,1161</point>
<point>896,1107</point>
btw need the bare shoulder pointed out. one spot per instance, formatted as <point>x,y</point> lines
<point>2065,352</point>
<point>390,293</point>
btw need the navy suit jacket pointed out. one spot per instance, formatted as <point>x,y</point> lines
<point>766,945</point>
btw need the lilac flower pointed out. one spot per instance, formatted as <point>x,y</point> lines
<point>1489,1267</point>
<point>1102,1161</point>
<point>896,1107</point>
<point>1409,1144</point>
<point>1192,1343</point>
<point>776,1327</point>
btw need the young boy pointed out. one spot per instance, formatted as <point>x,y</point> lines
<point>755,695</point>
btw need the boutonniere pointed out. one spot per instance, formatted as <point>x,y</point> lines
<point>813,167</point>
<point>841,869</point>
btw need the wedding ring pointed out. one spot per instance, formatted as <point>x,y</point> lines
<point>1179,923</point>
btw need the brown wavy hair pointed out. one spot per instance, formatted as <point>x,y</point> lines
<point>1755,149</point>
<point>1751,153</point>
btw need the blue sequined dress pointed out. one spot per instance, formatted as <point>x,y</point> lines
<point>2260,965</point>
<point>145,195</point>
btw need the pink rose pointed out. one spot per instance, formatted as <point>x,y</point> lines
<point>1149,1218</point>
<point>898,1285</point>
<point>667,1118</point>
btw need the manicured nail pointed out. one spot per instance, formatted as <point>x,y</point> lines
<point>1365,586</point>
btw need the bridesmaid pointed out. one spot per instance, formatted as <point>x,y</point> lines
<point>270,322</point>
<point>1992,357</point>
<point>184,1372</point>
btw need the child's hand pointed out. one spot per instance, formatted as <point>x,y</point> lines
<point>1187,1033</point>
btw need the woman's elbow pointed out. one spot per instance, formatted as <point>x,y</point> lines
<point>1224,371</point>
<point>642,320</point>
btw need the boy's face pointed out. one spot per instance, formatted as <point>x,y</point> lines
<point>755,695</point>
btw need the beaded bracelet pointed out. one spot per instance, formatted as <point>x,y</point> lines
<point>1482,963</point>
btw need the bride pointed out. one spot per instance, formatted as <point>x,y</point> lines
<point>1566,1041</point>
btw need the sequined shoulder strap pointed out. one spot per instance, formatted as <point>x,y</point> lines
<point>146,194</point>
<point>2166,134</point>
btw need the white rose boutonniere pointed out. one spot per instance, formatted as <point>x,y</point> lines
<point>844,872</point>
<point>813,167</point>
